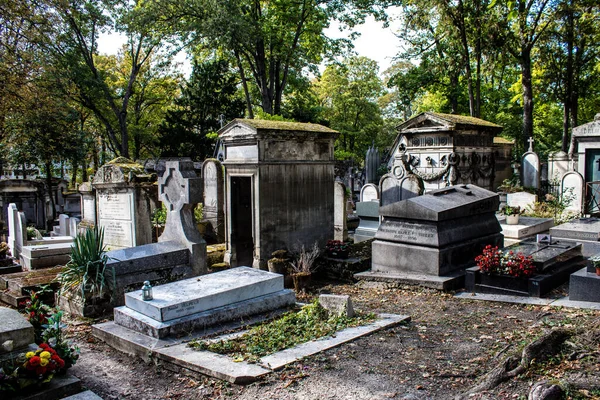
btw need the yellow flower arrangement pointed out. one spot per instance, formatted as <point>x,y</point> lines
<point>45,355</point>
<point>29,354</point>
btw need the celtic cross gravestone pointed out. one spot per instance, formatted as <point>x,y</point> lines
<point>180,189</point>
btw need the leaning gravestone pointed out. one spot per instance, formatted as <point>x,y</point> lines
<point>430,239</point>
<point>125,197</point>
<point>340,229</point>
<point>572,185</point>
<point>214,197</point>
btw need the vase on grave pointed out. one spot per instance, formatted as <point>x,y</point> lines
<point>301,281</point>
<point>512,219</point>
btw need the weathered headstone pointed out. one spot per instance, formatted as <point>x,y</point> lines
<point>12,227</point>
<point>73,226</point>
<point>369,192</point>
<point>524,200</point>
<point>88,204</point>
<point>179,190</point>
<point>410,186</point>
<point>389,190</point>
<point>573,186</point>
<point>214,197</point>
<point>558,165</point>
<point>125,198</point>
<point>339,215</point>
<point>64,224</point>
<point>337,304</point>
<point>426,239</point>
<point>530,165</point>
<point>21,234</point>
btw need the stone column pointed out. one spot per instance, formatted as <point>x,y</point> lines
<point>214,197</point>
<point>340,230</point>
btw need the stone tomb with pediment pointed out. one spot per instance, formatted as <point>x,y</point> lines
<point>125,198</point>
<point>430,239</point>
<point>279,185</point>
<point>447,149</point>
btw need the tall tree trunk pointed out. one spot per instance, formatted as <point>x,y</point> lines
<point>454,93</point>
<point>526,84</point>
<point>568,93</point>
<point>84,173</point>
<point>244,84</point>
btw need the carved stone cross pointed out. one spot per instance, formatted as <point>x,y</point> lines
<point>530,140</point>
<point>180,189</point>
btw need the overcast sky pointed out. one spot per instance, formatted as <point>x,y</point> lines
<point>375,42</point>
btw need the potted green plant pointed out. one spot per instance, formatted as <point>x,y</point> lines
<point>303,266</point>
<point>85,281</point>
<point>512,214</point>
<point>596,262</point>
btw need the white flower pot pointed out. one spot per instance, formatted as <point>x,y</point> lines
<point>512,219</point>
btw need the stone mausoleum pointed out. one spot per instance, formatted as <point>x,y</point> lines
<point>279,182</point>
<point>447,149</point>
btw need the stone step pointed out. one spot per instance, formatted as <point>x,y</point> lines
<point>194,295</point>
<point>14,299</point>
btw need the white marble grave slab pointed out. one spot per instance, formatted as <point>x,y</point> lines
<point>527,226</point>
<point>47,250</point>
<point>189,296</point>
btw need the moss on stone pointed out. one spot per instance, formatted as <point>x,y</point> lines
<point>284,125</point>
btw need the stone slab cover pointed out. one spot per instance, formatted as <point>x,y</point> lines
<point>189,296</point>
<point>14,327</point>
<point>578,229</point>
<point>445,204</point>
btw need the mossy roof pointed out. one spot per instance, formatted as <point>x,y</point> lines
<point>464,120</point>
<point>283,125</point>
<point>501,140</point>
<point>127,165</point>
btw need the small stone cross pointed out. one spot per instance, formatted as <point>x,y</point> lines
<point>530,140</point>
